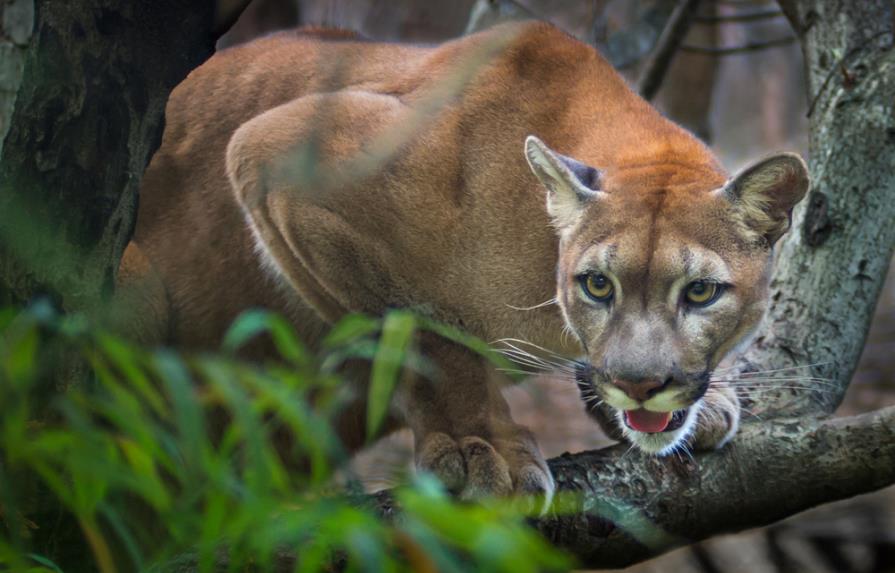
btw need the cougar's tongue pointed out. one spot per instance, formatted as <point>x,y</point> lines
<point>646,421</point>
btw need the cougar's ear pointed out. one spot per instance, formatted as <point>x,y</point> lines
<point>766,192</point>
<point>570,184</point>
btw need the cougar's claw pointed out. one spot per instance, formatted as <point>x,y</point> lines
<point>473,467</point>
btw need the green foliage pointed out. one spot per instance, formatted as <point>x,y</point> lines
<point>168,463</point>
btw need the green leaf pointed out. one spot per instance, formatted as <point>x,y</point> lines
<point>247,326</point>
<point>350,329</point>
<point>188,414</point>
<point>253,323</point>
<point>397,335</point>
<point>49,565</point>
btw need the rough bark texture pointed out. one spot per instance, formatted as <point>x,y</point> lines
<point>82,95</point>
<point>636,507</point>
<point>832,265</point>
<point>15,35</point>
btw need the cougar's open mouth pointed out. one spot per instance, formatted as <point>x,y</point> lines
<point>654,422</point>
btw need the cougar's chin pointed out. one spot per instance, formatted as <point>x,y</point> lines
<point>679,427</point>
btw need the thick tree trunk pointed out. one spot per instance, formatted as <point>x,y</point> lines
<point>831,267</point>
<point>83,87</point>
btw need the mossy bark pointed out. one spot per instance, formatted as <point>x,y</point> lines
<point>83,87</point>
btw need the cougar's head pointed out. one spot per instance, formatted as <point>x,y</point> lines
<point>662,271</point>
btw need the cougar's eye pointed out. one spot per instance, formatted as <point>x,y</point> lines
<point>702,293</point>
<point>597,286</point>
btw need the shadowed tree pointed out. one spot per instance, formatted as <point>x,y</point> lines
<point>83,88</point>
<point>84,84</point>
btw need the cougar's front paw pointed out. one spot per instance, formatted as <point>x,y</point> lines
<point>474,467</point>
<point>719,418</point>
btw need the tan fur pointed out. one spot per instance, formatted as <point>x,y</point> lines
<point>317,177</point>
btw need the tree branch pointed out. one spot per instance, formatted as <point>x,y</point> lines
<point>675,30</point>
<point>745,48</point>
<point>771,471</point>
<point>738,18</point>
<point>635,506</point>
<point>227,12</point>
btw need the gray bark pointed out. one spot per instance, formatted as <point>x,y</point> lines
<point>636,507</point>
<point>832,264</point>
<point>18,21</point>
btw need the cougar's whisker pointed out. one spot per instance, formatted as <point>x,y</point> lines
<point>547,302</point>
<point>683,447</point>
<point>540,366</point>
<point>628,451</point>
<point>751,413</point>
<point>515,371</point>
<point>817,381</point>
<point>801,366</point>
<point>512,351</point>
<point>773,382</point>
<point>512,342</point>
<point>754,391</point>
<point>775,375</point>
<point>518,355</point>
<point>522,358</point>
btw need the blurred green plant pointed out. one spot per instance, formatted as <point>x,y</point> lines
<point>133,459</point>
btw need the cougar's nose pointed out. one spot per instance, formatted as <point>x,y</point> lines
<point>641,390</point>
